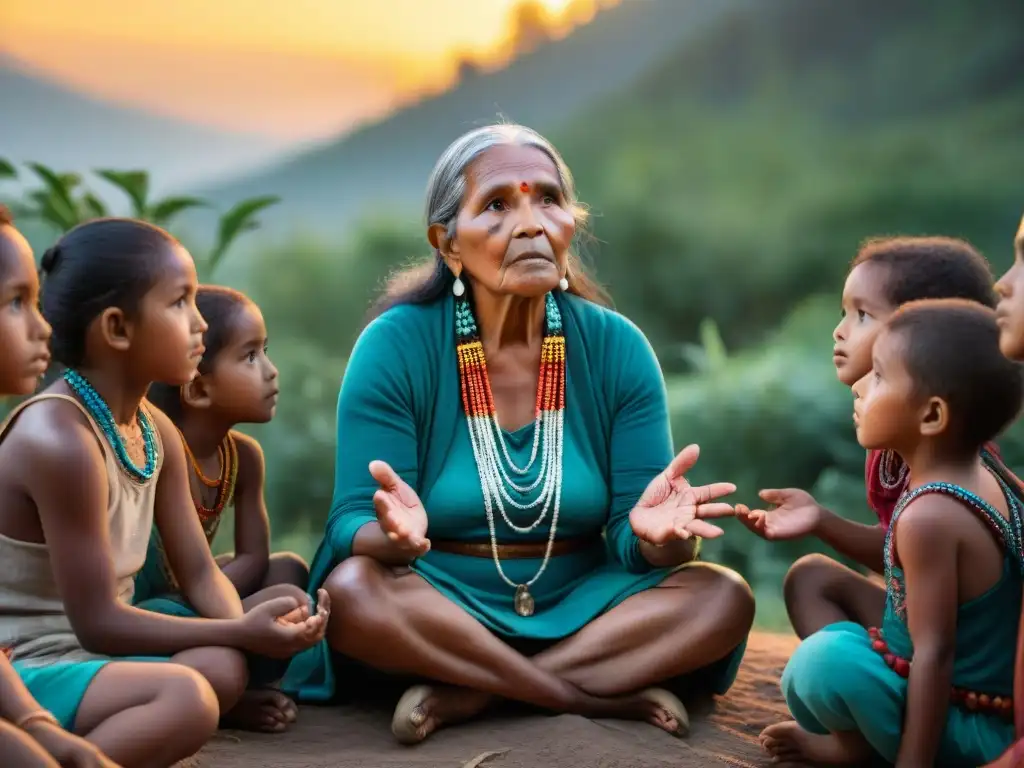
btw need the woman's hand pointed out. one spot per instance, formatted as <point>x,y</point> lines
<point>400,512</point>
<point>796,515</point>
<point>671,509</point>
<point>68,750</point>
<point>282,627</point>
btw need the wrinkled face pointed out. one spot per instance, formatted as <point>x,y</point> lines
<point>865,309</point>
<point>242,386</point>
<point>167,332</point>
<point>1010,310</point>
<point>886,408</point>
<point>24,334</point>
<point>513,232</point>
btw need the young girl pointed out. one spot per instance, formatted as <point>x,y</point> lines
<point>885,274</point>
<point>85,469</point>
<point>935,682</point>
<point>237,384</point>
<point>29,735</point>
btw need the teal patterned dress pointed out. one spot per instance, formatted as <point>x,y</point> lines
<point>839,680</point>
<point>400,402</point>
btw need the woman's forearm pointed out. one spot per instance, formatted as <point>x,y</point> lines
<point>370,541</point>
<point>672,554</point>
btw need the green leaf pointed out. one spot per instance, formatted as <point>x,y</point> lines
<point>163,211</point>
<point>69,181</point>
<point>239,219</point>
<point>7,170</point>
<point>59,208</point>
<point>135,184</point>
<point>93,206</point>
<point>50,209</point>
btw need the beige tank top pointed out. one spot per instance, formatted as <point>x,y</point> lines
<point>34,627</point>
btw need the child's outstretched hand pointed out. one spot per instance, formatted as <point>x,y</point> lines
<point>796,514</point>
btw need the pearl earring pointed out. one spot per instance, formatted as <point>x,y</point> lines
<point>563,284</point>
<point>458,287</point>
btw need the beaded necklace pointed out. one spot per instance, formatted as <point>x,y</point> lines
<point>488,441</point>
<point>100,412</point>
<point>227,455</point>
<point>892,470</point>
<point>209,518</point>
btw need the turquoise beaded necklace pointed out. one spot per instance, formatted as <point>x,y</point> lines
<point>100,411</point>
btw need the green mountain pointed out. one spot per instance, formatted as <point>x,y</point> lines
<point>387,163</point>
<point>739,175</point>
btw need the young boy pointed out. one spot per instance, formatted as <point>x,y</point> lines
<point>885,274</point>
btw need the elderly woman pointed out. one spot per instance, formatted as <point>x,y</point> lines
<point>508,518</point>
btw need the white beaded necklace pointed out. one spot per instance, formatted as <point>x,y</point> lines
<point>488,441</point>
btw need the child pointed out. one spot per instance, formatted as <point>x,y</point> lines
<point>85,469</point>
<point>885,274</point>
<point>236,384</point>
<point>1010,317</point>
<point>935,683</point>
<point>24,356</point>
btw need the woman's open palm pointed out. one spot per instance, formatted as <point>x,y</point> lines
<point>670,508</point>
<point>400,512</point>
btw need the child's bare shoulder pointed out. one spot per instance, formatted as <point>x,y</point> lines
<point>250,454</point>
<point>931,517</point>
<point>50,443</point>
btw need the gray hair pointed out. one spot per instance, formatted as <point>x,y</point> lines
<point>446,188</point>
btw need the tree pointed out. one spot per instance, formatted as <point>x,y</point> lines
<point>64,202</point>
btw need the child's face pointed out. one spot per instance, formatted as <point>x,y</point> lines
<point>1010,310</point>
<point>168,330</point>
<point>885,405</point>
<point>243,387</point>
<point>865,309</point>
<point>24,334</point>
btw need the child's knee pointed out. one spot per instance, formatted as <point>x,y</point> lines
<point>224,669</point>
<point>194,699</point>
<point>287,568</point>
<point>808,574</point>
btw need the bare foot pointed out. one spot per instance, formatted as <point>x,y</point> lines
<point>262,709</point>
<point>789,743</point>
<point>425,708</point>
<point>665,711</point>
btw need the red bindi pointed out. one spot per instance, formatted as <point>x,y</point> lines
<point>524,187</point>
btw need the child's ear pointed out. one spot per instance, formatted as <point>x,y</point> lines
<point>196,394</point>
<point>115,328</point>
<point>934,417</point>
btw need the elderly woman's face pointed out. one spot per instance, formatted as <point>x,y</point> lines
<point>514,229</point>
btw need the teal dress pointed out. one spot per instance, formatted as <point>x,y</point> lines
<point>837,681</point>
<point>400,402</point>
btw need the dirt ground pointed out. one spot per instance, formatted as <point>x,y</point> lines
<point>723,734</point>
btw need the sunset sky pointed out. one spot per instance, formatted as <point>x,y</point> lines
<point>249,65</point>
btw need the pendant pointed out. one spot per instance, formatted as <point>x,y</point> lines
<point>524,601</point>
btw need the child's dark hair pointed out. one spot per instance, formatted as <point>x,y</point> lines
<point>950,348</point>
<point>100,264</point>
<point>930,268</point>
<point>219,305</point>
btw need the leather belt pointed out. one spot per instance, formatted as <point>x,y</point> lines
<point>525,551</point>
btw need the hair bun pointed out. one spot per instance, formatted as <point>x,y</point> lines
<point>49,260</point>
